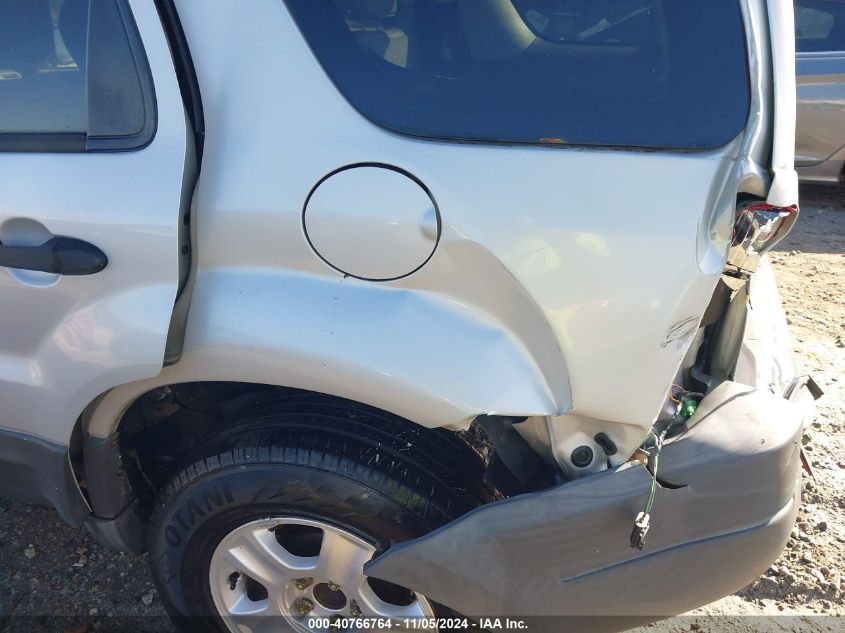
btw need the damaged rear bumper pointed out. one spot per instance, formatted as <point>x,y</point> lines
<point>726,506</point>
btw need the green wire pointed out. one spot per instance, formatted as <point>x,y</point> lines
<point>658,441</point>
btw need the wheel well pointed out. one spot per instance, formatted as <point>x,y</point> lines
<point>164,427</point>
<point>162,430</point>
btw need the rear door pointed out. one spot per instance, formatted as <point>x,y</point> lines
<point>93,150</point>
<point>820,64</point>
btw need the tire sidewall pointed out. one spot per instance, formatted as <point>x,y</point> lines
<point>191,522</point>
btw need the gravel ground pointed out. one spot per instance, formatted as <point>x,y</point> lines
<point>47,568</point>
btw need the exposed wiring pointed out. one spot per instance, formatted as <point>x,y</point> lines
<point>672,396</point>
<point>686,407</point>
<point>643,521</point>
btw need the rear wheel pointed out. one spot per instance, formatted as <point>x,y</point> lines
<point>270,527</point>
<point>304,571</point>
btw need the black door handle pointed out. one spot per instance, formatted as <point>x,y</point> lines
<point>59,255</point>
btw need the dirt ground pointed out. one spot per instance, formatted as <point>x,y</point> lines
<point>47,568</point>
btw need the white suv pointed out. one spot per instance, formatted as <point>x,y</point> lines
<point>403,309</point>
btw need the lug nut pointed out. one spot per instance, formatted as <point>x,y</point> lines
<point>303,583</point>
<point>354,609</point>
<point>333,586</point>
<point>303,606</point>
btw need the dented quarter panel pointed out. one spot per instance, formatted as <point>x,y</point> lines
<point>558,271</point>
<point>579,275</point>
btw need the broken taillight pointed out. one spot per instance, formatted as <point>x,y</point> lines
<point>759,227</point>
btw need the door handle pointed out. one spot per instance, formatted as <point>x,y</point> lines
<point>58,255</point>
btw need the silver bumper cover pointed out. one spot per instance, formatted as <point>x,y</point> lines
<point>727,504</point>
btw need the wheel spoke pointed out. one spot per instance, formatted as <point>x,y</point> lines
<point>246,607</point>
<point>245,615</point>
<point>256,621</point>
<point>257,554</point>
<point>341,560</point>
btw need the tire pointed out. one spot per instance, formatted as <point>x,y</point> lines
<point>344,467</point>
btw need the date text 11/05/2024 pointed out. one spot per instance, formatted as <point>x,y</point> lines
<point>489,624</point>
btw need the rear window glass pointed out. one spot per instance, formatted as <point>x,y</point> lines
<point>640,73</point>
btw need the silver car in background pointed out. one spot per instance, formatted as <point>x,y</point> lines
<point>820,65</point>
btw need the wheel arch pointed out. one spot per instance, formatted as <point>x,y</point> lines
<point>120,490</point>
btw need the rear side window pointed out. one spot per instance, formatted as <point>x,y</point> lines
<point>72,77</point>
<point>639,73</point>
<point>819,26</point>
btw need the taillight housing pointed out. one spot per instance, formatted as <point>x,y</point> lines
<point>758,229</point>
